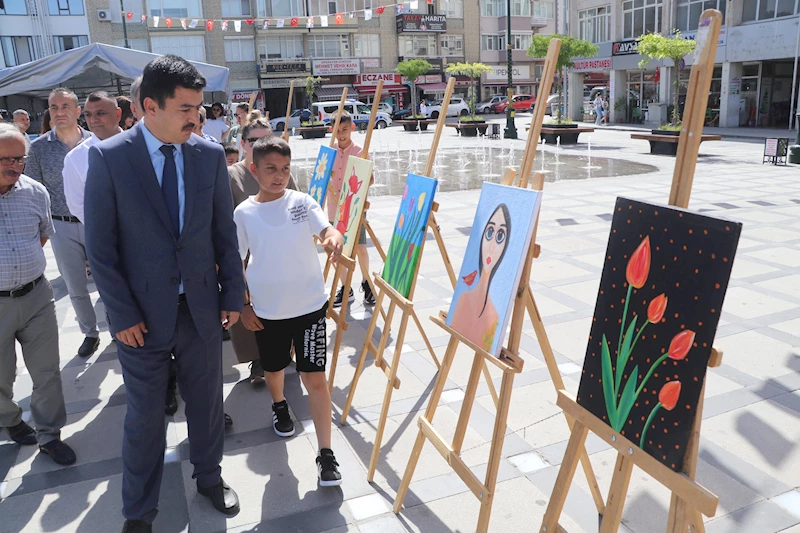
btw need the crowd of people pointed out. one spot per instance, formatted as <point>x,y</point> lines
<point>191,231</point>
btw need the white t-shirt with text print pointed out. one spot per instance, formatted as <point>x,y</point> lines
<point>284,274</point>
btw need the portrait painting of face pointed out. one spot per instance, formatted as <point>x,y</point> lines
<point>664,280</point>
<point>493,262</point>
<point>318,188</point>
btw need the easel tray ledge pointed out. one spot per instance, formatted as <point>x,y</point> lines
<point>507,362</point>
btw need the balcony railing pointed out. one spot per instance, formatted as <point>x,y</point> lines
<point>538,22</point>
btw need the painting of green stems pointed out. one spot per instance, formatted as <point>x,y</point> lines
<point>661,292</point>
<point>409,231</point>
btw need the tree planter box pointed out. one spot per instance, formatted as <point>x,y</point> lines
<point>568,133</point>
<point>313,132</point>
<point>414,125</point>
<point>667,144</point>
<point>470,129</point>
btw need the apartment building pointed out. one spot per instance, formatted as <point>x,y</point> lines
<point>752,80</point>
<point>527,18</point>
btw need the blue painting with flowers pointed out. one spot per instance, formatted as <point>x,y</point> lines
<point>322,174</point>
<point>409,232</point>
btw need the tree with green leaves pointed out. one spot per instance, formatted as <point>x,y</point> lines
<point>657,46</point>
<point>473,71</point>
<point>570,47</point>
<point>412,69</point>
<point>312,84</point>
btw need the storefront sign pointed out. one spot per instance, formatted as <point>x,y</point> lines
<point>371,63</point>
<point>588,65</point>
<point>371,80</point>
<point>692,35</point>
<point>238,97</point>
<point>624,48</point>
<point>275,83</point>
<point>336,67</point>
<point>283,67</point>
<point>416,22</point>
<point>500,72</point>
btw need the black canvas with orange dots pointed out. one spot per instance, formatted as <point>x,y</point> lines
<point>664,280</point>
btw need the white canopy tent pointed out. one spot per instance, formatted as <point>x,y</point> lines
<point>90,68</point>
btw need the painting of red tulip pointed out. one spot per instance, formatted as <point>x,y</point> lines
<point>409,231</point>
<point>351,201</point>
<point>661,292</point>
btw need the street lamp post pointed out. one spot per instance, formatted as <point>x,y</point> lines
<point>511,129</point>
<point>124,23</point>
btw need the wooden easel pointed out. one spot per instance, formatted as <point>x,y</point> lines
<point>689,499</point>
<point>347,263</point>
<point>406,306</point>
<point>286,130</point>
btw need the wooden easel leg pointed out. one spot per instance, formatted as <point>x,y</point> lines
<point>555,376</point>
<point>496,451</point>
<point>387,397</point>
<point>430,411</point>
<point>368,278</point>
<point>375,242</point>
<point>361,359</point>
<point>616,495</point>
<point>564,480</point>
<point>387,328</point>
<point>440,242</point>
<point>490,384</point>
<point>340,327</point>
<point>425,338</point>
<point>466,404</point>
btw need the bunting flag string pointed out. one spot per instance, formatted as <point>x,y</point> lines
<point>270,23</point>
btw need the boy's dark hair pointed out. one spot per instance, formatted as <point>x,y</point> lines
<point>230,148</point>
<point>270,145</point>
<point>345,120</point>
<point>165,74</point>
<point>256,124</point>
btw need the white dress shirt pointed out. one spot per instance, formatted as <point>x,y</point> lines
<point>76,165</point>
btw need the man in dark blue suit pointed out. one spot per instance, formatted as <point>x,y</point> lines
<point>158,224</point>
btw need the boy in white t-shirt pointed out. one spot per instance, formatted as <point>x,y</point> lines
<point>287,300</point>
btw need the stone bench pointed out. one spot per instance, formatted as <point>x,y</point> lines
<point>661,144</point>
<point>567,135</point>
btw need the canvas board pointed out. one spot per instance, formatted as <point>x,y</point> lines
<point>351,201</point>
<point>493,262</point>
<point>409,231</point>
<point>661,293</point>
<point>323,168</point>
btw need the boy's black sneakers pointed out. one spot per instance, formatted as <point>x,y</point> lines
<point>281,419</point>
<point>337,302</point>
<point>327,469</point>
<point>369,298</point>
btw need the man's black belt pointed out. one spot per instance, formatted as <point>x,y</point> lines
<point>74,220</point>
<point>22,291</point>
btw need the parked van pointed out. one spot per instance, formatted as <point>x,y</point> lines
<point>360,113</point>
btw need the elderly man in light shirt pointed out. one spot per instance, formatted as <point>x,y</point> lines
<point>102,116</point>
<point>22,120</point>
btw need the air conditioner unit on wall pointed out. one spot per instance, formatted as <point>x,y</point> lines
<point>104,15</point>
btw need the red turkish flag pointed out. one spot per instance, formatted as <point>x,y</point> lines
<point>209,25</point>
<point>129,16</point>
<point>339,18</point>
<point>380,10</point>
<point>169,22</point>
<point>250,22</point>
<point>293,22</point>
<point>657,77</point>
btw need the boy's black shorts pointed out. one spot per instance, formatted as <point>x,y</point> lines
<point>308,334</point>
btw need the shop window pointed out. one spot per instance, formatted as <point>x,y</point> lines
<point>595,24</point>
<point>640,17</point>
<point>753,10</point>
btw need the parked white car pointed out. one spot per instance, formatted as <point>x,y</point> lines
<point>485,106</point>
<point>360,113</point>
<point>457,107</point>
<point>278,124</point>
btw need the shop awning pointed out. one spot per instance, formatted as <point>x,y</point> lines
<point>333,93</point>
<point>433,87</point>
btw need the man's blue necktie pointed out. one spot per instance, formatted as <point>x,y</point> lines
<point>169,188</point>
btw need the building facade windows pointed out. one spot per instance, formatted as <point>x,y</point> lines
<point>331,7</point>
<point>15,7</point>
<point>594,25</point>
<point>689,11</point>
<point>454,9</point>
<point>280,8</point>
<point>235,8</point>
<point>493,8</point>
<point>135,44</point>
<point>17,50</point>
<point>65,7</point>
<point>174,9</point>
<point>640,17</point>
<point>417,45</point>
<point>452,45</point>
<point>767,9</point>
<point>280,47</point>
<point>68,42</point>
<point>239,49</point>
<point>367,45</point>
<point>545,10</point>
<point>191,47</point>
<point>521,41</point>
<point>328,46</point>
<point>493,42</point>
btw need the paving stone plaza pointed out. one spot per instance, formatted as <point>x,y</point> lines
<point>750,440</point>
